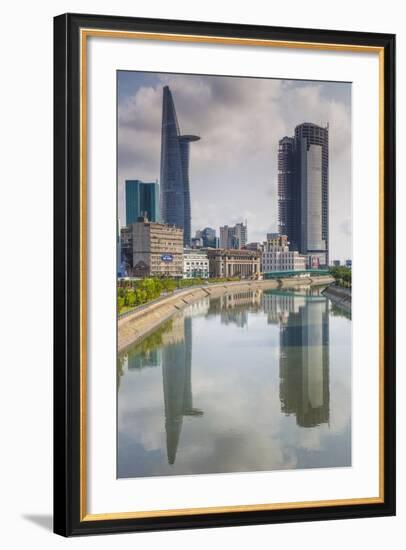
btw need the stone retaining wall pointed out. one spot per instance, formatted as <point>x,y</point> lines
<point>339,296</point>
<point>139,324</point>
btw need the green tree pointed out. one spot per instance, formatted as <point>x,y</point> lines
<point>342,275</point>
<point>120,303</point>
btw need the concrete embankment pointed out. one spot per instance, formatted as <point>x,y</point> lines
<point>145,319</point>
<point>339,296</point>
<point>292,282</point>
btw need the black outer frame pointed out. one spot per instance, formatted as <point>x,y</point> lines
<point>67,275</point>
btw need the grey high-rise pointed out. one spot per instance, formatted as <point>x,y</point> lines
<point>303,191</point>
<point>175,187</point>
<point>235,236</point>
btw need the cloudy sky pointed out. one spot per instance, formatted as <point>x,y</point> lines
<point>233,168</point>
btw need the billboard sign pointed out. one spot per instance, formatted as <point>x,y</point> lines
<point>167,258</point>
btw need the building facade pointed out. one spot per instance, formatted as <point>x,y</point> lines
<point>303,190</point>
<point>195,264</point>
<point>141,199</point>
<point>235,236</point>
<point>175,188</point>
<point>277,256</point>
<point>275,239</point>
<point>234,263</point>
<point>152,249</point>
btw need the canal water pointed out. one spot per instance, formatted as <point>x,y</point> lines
<point>249,381</point>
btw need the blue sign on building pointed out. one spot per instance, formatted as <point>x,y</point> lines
<point>167,257</point>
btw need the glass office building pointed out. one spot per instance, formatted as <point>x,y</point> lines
<point>175,187</point>
<point>141,199</point>
<point>208,237</point>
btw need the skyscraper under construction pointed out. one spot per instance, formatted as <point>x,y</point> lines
<point>175,189</point>
<point>303,192</point>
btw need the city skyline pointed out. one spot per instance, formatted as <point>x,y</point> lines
<point>234,172</point>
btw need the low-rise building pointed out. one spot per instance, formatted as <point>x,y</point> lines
<point>277,256</point>
<point>195,264</point>
<point>152,249</point>
<point>225,262</point>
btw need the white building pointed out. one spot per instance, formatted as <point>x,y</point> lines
<point>195,264</point>
<point>277,256</point>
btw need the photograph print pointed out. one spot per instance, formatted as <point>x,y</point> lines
<point>234,269</point>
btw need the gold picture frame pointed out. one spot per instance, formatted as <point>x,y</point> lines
<point>71,45</point>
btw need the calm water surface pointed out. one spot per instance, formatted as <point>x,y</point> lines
<point>246,382</point>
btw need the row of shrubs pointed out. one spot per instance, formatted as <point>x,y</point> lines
<point>133,293</point>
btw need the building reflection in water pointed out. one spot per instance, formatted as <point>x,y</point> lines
<point>177,385</point>
<point>304,354</point>
<point>177,358</point>
<point>170,347</point>
<point>149,358</point>
<point>234,307</point>
<point>148,352</point>
<point>303,321</point>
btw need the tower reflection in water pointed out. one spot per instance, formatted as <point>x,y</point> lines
<point>177,385</point>
<point>304,354</point>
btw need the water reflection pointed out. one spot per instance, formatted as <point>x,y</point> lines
<point>177,385</point>
<point>239,374</point>
<point>303,317</point>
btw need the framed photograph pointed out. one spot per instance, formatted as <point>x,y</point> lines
<point>224,274</point>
